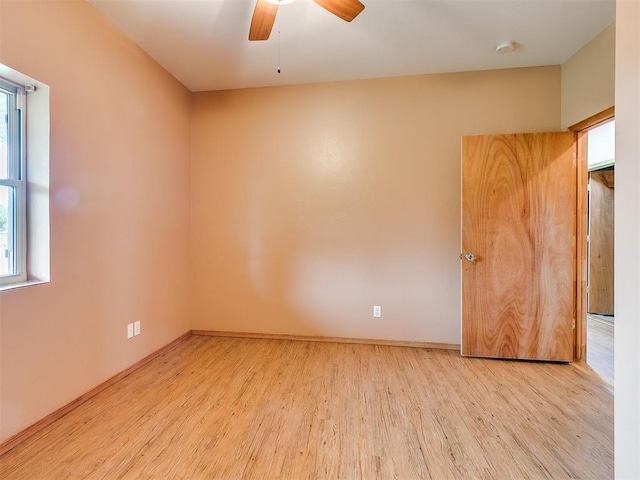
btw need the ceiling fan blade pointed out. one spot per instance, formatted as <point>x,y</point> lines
<point>262,22</point>
<point>347,10</point>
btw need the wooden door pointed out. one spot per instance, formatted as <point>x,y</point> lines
<point>601,211</point>
<point>519,222</point>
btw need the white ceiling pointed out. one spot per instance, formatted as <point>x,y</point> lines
<point>204,43</point>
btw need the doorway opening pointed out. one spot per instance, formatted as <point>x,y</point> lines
<point>600,249</point>
<point>596,184</point>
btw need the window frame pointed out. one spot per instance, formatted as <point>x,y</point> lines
<point>16,179</point>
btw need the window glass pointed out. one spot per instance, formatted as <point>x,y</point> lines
<point>7,229</point>
<point>4,132</point>
<point>12,186</point>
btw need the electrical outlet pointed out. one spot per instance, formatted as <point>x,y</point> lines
<point>130,330</point>
<point>377,311</point>
<point>136,328</point>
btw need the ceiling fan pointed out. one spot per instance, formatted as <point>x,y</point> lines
<point>265,14</point>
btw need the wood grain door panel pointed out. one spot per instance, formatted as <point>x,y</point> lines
<point>601,213</point>
<point>518,197</point>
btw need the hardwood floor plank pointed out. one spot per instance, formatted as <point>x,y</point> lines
<point>238,408</point>
<point>600,346</point>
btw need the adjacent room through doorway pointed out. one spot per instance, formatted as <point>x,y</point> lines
<point>600,250</point>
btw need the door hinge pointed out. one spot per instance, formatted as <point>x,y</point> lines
<point>574,324</point>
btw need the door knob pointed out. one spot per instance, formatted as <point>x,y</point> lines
<point>470,257</point>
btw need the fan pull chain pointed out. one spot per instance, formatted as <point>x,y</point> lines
<point>278,51</point>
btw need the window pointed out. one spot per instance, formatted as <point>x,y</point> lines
<point>12,183</point>
<point>24,180</point>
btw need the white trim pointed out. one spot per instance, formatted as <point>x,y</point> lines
<point>26,283</point>
<point>601,165</point>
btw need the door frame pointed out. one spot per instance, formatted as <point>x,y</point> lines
<point>580,129</point>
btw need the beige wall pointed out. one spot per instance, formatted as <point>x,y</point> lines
<point>588,79</point>
<point>311,204</point>
<point>120,130</point>
<point>627,268</point>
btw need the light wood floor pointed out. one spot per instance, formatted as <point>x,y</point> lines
<point>600,346</point>
<point>257,409</point>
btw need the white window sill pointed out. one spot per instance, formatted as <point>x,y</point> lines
<point>27,283</point>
